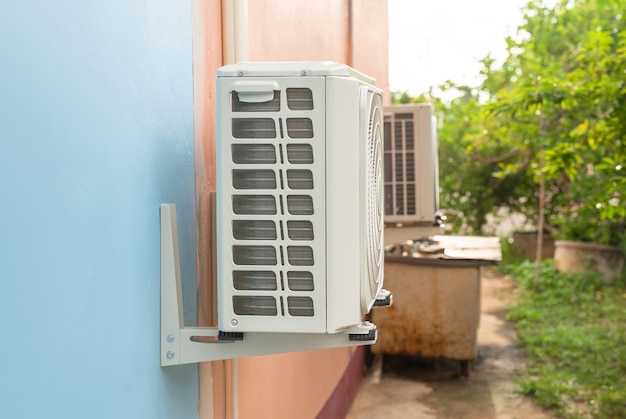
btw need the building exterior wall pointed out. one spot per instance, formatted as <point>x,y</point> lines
<point>299,30</point>
<point>289,385</point>
<point>96,131</point>
<point>370,40</point>
<point>353,32</point>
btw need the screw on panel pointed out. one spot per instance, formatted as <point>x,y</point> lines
<point>305,72</point>
<point>170,338</point>
<point>170,354</point>
<point>234,322</point>
<point>241,73</point>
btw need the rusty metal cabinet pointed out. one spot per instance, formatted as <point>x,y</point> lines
<point>436,308</point>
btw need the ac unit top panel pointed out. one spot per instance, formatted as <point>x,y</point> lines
<point>292,69</point>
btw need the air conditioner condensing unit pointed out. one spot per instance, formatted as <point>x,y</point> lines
<point>411,164</point>
<point>299,197</point>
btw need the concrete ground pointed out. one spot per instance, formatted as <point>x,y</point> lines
<point>398,387</point>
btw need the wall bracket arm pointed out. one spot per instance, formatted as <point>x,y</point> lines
<point>185,345</point>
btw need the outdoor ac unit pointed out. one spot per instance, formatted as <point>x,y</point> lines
<point>411,164</point>
<point>299,197</point>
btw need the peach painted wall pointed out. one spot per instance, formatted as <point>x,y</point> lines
<point>293,385</point>
<point>370,41</point>
<point>354,32</point>
<point>297,30</point>
<point>207,58</point>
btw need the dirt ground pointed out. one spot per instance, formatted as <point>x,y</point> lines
<point>398,387</point>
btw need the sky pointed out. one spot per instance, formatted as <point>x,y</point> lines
<point>431,41</point>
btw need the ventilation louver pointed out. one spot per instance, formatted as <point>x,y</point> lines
<point>411,164</point>
<point>299,197</point>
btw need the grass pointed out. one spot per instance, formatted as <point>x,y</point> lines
<point>573,328</point>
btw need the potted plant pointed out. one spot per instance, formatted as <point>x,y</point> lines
<point>525,242</point>
<point>590,221</point>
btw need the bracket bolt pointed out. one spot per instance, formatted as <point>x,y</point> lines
<point>234,322</point>
<point>170,354</point>
<point>170,338</point>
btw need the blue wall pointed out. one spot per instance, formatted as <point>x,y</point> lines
<point>96,131</point>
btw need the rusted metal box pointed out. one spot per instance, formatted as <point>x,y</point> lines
<point>436,306</point>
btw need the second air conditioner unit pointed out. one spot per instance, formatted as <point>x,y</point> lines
<point>411,164</point>
<point>299,197</point>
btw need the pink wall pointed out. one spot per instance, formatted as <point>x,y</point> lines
<point>293,385</point>
<point>298,30</point>
<point>353,32</point>
<point>370,42</point>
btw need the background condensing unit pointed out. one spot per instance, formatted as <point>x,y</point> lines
<point>411,164</point>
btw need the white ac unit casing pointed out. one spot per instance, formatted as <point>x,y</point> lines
<point>299,197</point>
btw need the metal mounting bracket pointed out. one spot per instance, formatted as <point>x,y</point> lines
<point>185,345</point>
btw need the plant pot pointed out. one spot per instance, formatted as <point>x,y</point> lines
<point>575,256</point>
<point>525,242</point>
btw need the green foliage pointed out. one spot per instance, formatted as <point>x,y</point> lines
<point>405,98</point>
<point>591,212</point>
<point>561,91</point>
<point>574,332</point>
<point>479,170</point>
<point>511,257</point>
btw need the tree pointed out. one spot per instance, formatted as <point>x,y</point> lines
<point>560,90</point>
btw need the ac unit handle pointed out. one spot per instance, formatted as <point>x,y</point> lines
<point>255,91</point>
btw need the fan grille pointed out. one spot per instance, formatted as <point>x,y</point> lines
<point>374,197</point>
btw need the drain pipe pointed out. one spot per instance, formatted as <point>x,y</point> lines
<point>234,31</point>
<point>234,50</point>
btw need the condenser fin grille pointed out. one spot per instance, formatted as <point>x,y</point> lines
<point>255,280</point>
<point>300,230</point>
<point>261,305</point>
<point>300,281</point>
<point>299,127</point>
<point>409,136</point>
<point>274,154</point>
<point>254,128</point>
<point>254,204</point>
<point>300,204</point>
<point>300,306</point>
<point>254,154</point>
<point>300,255</point>
<point>300,99</point>
<point>254,179</point>
<point>300,179</point>
<point>254,230</point>
<point>254,255</point>
<point>300,153</point>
